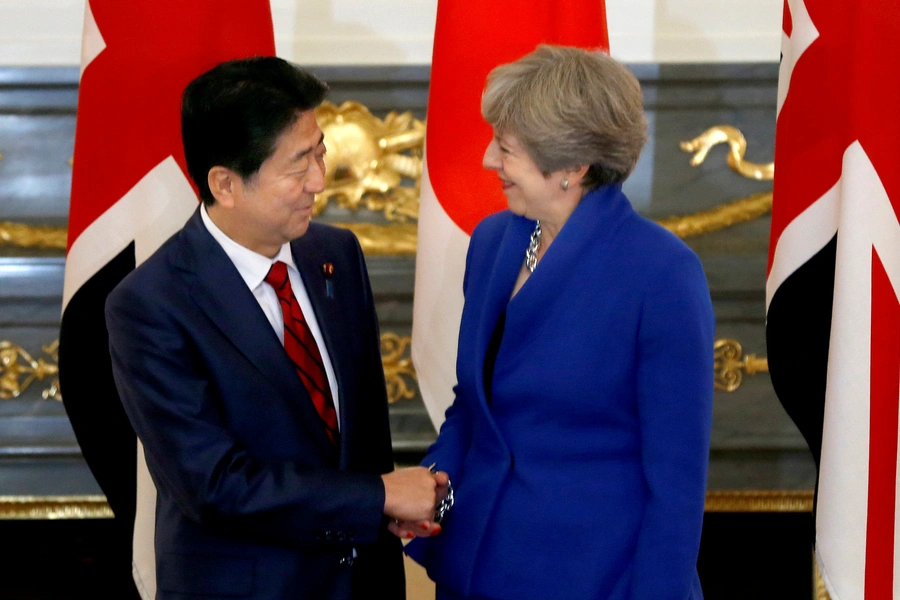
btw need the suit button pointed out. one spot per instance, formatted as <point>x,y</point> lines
<point>347,561</point>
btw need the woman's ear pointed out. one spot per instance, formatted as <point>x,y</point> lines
<point>224,184</point>
<point>576,174</point>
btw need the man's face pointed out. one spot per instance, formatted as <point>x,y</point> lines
<point>275,205</point>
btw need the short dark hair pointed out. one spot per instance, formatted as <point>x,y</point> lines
<point>232,115</point>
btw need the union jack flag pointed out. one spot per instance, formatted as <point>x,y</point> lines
<point>130,192</point>
<point>833,316</point>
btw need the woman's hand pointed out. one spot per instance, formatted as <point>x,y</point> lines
<point>407,530</point>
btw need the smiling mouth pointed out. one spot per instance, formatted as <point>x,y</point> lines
<point>505,184</point>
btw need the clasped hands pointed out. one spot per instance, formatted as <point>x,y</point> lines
<point>411,496</point>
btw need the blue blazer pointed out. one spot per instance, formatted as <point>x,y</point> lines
<point>253,499</point>
<point>585,477</point>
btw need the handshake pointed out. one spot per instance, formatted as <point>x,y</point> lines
<point>411,500</point>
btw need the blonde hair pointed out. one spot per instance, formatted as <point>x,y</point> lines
<point>570,107</point>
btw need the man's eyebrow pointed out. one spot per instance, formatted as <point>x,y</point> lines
<point>306,151</point>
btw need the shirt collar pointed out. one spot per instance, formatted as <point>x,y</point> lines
<point>252,266</point>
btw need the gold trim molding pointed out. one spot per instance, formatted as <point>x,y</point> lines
<point>385,240</point>
<point>32,236</point>
<point>96,507</point>
<point>720,217</point>
<point>759,501</point>
<point>54,507</point>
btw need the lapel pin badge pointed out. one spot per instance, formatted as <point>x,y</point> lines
<point>328,271</point>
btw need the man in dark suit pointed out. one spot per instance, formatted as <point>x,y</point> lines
<point>246,353</point>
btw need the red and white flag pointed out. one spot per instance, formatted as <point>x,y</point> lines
<point>833,316</point>
<point>470,39</point>
<point>130,192</point>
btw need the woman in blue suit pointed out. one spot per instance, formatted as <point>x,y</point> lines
<point>578,440</point>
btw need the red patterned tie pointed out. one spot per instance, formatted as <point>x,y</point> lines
<point>302,349</point>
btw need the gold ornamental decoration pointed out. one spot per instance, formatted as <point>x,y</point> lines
<point>720,217</point>
<point>27,508</point>
<point>730,365</point>
<point>732,213</point>
<point>754,501</point>
<point>737,147</point>
<point>399,373</point>
<point>369,160</point>
<point>32,236</point>
<point>398,239</point>
<point>18,370</point>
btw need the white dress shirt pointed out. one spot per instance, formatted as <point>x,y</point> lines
<point>253,268</point>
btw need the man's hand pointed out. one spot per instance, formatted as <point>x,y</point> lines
<point>411,494</point>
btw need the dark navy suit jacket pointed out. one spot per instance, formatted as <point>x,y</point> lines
<point>253,500</point>
<point>585,476</point>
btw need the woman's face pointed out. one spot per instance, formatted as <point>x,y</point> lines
<point>528,192</point>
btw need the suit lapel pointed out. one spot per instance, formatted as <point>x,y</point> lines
<point>509,257</point>
<point>218,289</point>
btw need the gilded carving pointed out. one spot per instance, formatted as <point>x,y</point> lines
<point>18,370</point>
<point>399,373</point>
<point>371,162</point>
<point>730,365</point>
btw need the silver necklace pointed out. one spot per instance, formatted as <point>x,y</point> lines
<point>531,251</point>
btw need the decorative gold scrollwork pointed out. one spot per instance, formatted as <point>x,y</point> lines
<point>370,159</point>
<point>737,143</point>
<point>399,372</point>
<point>730,365</point>
<point>18,370</point>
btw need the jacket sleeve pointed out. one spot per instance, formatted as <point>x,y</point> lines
<point>174,408</point>
<point>675,389</point>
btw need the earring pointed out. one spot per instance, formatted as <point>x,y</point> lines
<point>564,184</point>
